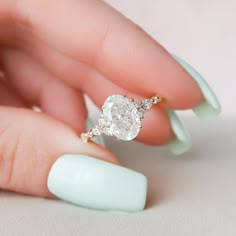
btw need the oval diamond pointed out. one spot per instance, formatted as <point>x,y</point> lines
<point>122,115</point>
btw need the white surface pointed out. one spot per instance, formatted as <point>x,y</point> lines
<point>194,194</point>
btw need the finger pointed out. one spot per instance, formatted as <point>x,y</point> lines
<point>98,88</point>
<point>65,104</point>
<point>156,126</point>
<point>8,97</point>
<point>41,88</point>
<point>30,143</point>
<point>115,47</point>
<point>33,161</point>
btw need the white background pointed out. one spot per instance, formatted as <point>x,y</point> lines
<point>194,194</point>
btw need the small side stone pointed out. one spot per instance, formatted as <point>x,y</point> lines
<point>84,137</point>
<point>147,104</point>
<point>96,130</point>
<point>105,126</point>
<point>136,103</point>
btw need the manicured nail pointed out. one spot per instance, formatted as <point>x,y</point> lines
<point>93,183</point>
<point>182,141</point>
<point>97,139</point>
<point>211,106</point>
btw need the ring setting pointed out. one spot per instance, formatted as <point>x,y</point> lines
<point>121,117</point>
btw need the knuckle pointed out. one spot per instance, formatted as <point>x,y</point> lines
<point>12,150</point>
<point>8,150</point>
<point>20,156</point>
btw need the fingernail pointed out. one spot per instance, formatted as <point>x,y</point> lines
<point>93,183</point>
<point>182,141</point>
<point>97,139</point>
<point>211,106</point>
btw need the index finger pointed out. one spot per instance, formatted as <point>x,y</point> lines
<point>93,33</point>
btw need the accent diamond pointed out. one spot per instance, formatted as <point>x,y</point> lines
<point>96,130</point>
<point>147,103</point>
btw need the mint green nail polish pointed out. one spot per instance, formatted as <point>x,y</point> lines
<point>211,107</point>
<point>182,141</point>
<point>93,183</point>
<point>97,139</point>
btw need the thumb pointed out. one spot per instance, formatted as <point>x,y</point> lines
<point>44,157</point>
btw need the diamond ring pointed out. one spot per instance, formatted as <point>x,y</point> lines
<point>121,117</point>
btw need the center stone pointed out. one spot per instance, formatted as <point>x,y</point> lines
<point>121,117</point>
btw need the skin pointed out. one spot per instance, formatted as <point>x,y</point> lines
<point>53,52</point>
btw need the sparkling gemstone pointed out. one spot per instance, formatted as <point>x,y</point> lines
<point>121,117</point>
<point>84,137</point>
<point>137,103</point>
<point>147,103</point>
<point>96,130</point>
<point>105,126</point>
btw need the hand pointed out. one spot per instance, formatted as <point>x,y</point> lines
<point>53,52</point>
